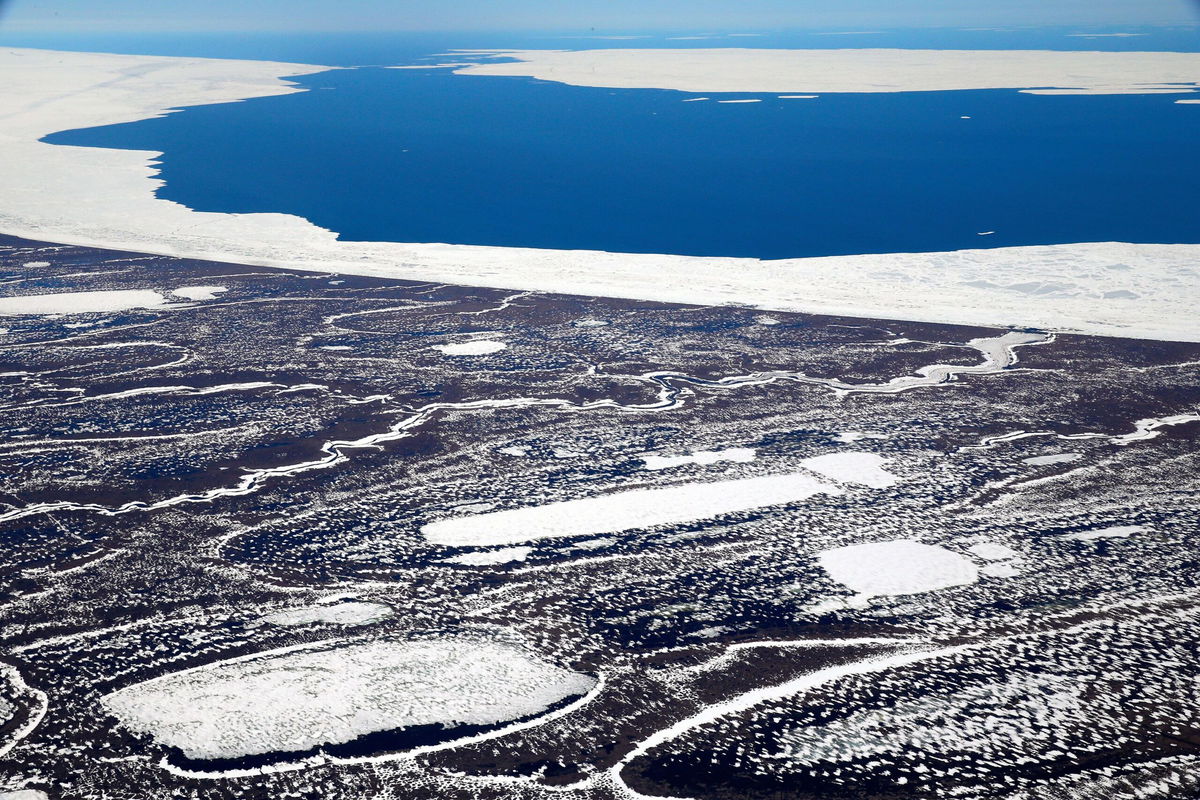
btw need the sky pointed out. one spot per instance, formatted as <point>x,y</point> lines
<point>92,16</point>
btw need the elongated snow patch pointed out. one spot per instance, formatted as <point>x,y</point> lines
<point>81,302</point>
<point>292,701</point>
<point>860,468</point>
<point>336,614</point>
<point>640,508</point>
<point>897,567</point>
<point>701,457</point>
<point>482,348</point>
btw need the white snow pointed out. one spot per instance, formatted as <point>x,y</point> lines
<point>106,198</point>
<point>1114,532</point>
<point>897,567</point>
<point>81,302</point>
<point>992,551</point>
<point>487,558</point>
<point>622,511</point>
<point>1054,458</point>
<point>346,614</point>
<point>199,292</point>
<point>476,348</point>
<point>865,469</point>
<point>740,455</point>
<point>301,697</point>
<point>731,69</point>
<point>25,794</point>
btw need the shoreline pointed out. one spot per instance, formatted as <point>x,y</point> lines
<point>104,198</point>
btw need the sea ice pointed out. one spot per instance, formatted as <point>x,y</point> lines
<point>298,698</point>
<point>47,91</point>
<point>730,69</point>
<point>897,567</point>
<point>81,302</point>
<point>477,348</point>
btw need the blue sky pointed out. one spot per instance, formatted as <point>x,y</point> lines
<point>610,15</point>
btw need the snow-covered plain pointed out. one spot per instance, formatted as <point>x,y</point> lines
<point>81,302</point>
<point>105,197</point>
<point>729,69</point>
<point>902,566</point>
<point>296,699</point>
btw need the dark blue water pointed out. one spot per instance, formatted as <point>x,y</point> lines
<point>429,156</point>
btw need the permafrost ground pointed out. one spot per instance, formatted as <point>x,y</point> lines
<point>986,589</point>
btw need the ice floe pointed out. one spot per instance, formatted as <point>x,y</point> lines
<point>898,567</point>
<point>345,614</point>
<point>477,348</point>
<point>81,302</point>
<point>740,455</point>
<point>298,698</point>
<point>851,70</point>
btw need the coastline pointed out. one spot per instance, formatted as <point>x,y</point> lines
<point>105,198</point>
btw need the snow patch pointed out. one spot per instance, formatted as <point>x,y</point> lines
<point>622,511</point>
<point>740,455</point>
<point>1056,458</point>
<point>199,292</point>
<point>865,469</point>
<point>346,614</point>
<point>1114,532</point>
<point>897,567</point>
<point>478,348</point>
<point>504,556</point>
<point>295,699</point>
<point>81,302</point>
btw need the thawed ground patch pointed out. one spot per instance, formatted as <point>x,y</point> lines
<point>293,700</point>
